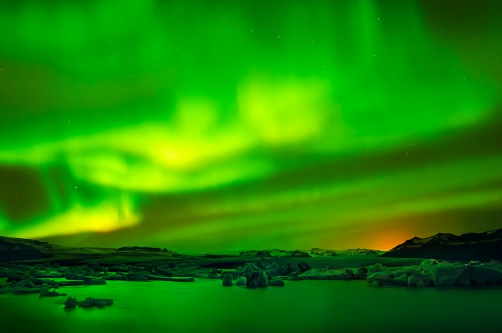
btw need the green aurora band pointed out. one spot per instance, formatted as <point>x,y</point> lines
<point>216,126</point>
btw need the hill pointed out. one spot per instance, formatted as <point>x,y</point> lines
<point>482,246</point>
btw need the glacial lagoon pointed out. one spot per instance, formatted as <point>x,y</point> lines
<point>300,306</point>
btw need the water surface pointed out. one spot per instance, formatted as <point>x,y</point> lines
<point>301,306</point>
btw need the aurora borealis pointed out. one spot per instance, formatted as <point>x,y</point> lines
<point>216,125</point>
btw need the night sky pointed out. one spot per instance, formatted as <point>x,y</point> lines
<point>206,126</point>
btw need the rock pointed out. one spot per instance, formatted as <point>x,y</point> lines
<point>73,276</point>
<point>22,291</point>
<point>140,248</point>
<point>278,267</point>
<point>274,270</point>
<point>378,283</point>
<point>25,284</point>
<point>92,282</point>
<point>227,280</point>
<point>429,262</point>
<point>383,278</point>
<point>400,281</point>
<point>257,279</point>
<point>241,281</point>
<point>71,303</point>
<point>449,274</point>
<point>192,270</point>
<point>363,272</point>
<point>262,263</point>
<point>378,267</point>
<point>486,274</point>
<point>322,252</point>
<point>276,283</point>
<point>43,282</point>
<point>255,253</point>
<point>16,277</point>
<point>359,252</point>
<point>303,266</point>
<point>97,267</point>
<point>45,265</point>
<point>298,253</point>
<point>333,273</point>
<point>91,301</point>
<point>292,268</point>
<point>119,268</point>
<point>49,275</point>
<point>474,263</point>
<point>294,277</point>
<point>138,276</point>
<point>399,272</point>
<point>56,265</point>
<point>100,303</point>
<point>243,271</point>
<point>350,274</point>
<point>22,268</point>
<point>414,281</point>
<point>494,262</point>
<point>45,292</point>
<point>116,277</point>
<point>325,274</point>
<point>136,268</point>
<point>413,270</point>
<point>426,277</point>
<point>173,279</point>
<point>163,271</point>
<point>5,290</point>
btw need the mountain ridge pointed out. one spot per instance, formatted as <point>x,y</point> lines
<point>469,246</point>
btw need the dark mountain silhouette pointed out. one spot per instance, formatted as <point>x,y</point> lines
<point>149,249</point>
<point>471,246</point>
<point>21,249</point>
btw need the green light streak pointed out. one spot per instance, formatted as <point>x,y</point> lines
<point>123,107</point>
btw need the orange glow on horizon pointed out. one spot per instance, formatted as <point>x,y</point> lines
<point>387,239</point>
